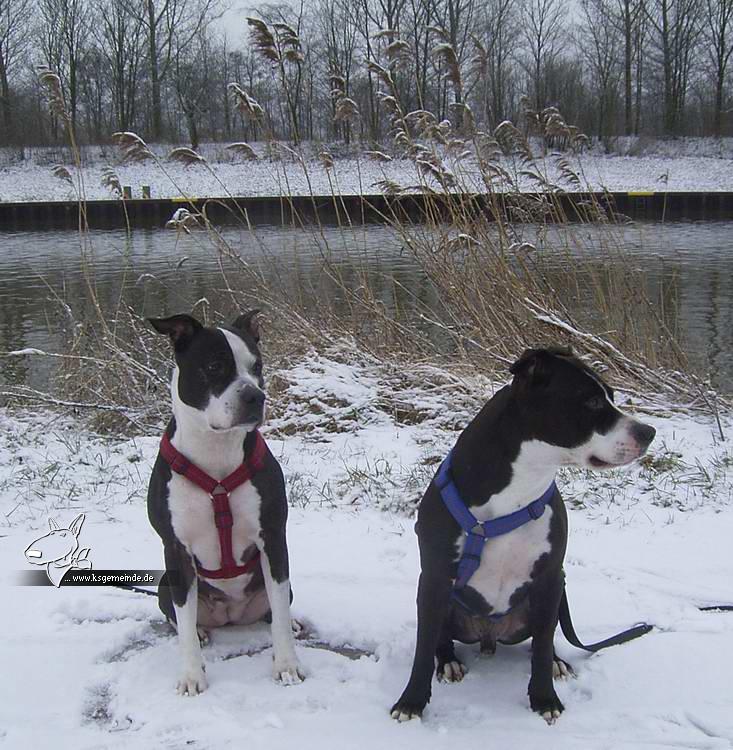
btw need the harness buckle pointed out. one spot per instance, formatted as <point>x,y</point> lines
<point>536,509</point>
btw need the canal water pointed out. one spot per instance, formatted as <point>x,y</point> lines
<point>159,271</point>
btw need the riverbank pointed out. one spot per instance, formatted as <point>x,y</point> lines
<point>98,665</point>
<point>360,176</point>
<point>352,210</point>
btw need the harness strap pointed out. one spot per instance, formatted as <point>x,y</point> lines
<point>219,492</point>
<point>568,630</point>
<point>477,533</point>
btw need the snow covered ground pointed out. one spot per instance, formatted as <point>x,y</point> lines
<point>351,176</point>
<point>95,668</point>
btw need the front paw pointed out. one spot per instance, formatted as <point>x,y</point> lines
<point>288,673</point>
<point>451,671</point>
<point>192,682</point>
<point>549,707</point>
<point>405,710</point>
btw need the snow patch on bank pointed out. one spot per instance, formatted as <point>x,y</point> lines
<point>356,176</point>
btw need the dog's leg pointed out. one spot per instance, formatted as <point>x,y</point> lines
<point>184,592</point>
<point>165,602</point>
<point>544,607</point>
<point>285,667</point>
<point>449,667</point>
<point>433,600</point>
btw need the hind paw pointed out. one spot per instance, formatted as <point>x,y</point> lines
<point>451,671</point>
<point>561,670</point>
<point>204,636</point>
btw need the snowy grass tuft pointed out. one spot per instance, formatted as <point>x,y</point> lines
<point>352,433</point>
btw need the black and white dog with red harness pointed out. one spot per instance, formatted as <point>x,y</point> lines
<point>492,527</point>
<point>217,497</point>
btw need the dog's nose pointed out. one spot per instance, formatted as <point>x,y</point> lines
<point>643,433</point>
<point>252,397</point>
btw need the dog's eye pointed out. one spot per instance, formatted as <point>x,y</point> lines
<point>215,368</point>
<point>596,403</point>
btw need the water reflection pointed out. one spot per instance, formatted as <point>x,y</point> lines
<point>158,272</point>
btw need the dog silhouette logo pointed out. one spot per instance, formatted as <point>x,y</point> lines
<point>58,550</point>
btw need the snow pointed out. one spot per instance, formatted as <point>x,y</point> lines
<point>96,667</point>
<point>353,176</point>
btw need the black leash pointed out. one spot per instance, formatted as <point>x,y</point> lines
<point>136,589</point>
<point>717,608</point>
<point>568,630</point>
<point>566,623</point>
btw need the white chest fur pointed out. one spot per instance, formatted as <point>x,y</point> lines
<point>192,516</point>
<point>507,561</point>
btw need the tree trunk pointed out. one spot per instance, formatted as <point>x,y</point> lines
<point>154,72</point>
<point>628,51</point>
<point>7,114</point>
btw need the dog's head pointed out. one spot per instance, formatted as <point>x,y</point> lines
<point>217,381</point>
<point>566,404</point>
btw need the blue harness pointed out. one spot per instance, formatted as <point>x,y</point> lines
<point>477,533</point>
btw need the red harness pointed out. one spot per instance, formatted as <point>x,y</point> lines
<point>219,492</point>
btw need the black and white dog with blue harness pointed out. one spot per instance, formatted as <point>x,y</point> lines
<point>492,527</point>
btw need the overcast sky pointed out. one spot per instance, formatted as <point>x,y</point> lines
<point>233,22</point>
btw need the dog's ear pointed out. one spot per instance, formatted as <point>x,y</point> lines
<point>249,323</point>
<point>180,328</point>
<point>533,367</point>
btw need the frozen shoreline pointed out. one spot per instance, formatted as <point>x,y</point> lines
<point>96,665</point>
<point>352,176</point>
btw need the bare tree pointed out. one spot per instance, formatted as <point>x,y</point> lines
<point>122,42</point>
<point>677,26</point>
<point>629,18</point>
<point>13,44</point>
<point>63,36</point>
<point>169,25</point>
<point>599,44</point>
<point>417,19</point>
<point>719,35</point>
<point>455,19</point>
<point>192,80</point>
<point>495,40</point>
<point>337,28</point>
<point>542,30</point>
